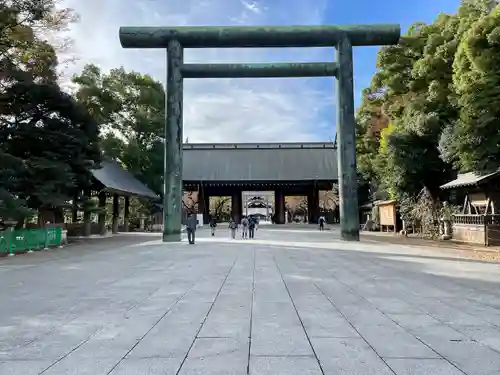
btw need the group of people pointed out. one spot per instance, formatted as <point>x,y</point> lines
<point>248,225</point>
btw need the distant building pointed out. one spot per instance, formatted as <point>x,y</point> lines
<point>258,203</point>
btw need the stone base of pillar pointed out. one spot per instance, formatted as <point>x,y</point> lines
<point>349,235</point>
<point>102,229</point>
<point>172,237</point>
<point>86,228</point>
<point>114,227</point>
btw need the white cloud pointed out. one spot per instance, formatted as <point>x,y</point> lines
<point>253,6</point>
<point>223,110</point>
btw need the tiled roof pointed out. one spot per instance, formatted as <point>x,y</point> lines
<point>468,179</point>
<point>116,179</point>
<point>264,162</point>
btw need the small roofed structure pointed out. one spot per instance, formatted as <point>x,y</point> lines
<point>117,180</point>
<point>111,180</point>
<point>468,179</point>
<point>479,196</point>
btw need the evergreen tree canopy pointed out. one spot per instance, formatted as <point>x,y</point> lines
<point>131,109</point>
<point>475,141</point>
<point>439,91</point>
<point>48,142</point>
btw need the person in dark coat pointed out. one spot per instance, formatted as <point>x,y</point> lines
<point>213,225</point>
<point>192,223</point>
<point>322,221</point>
<point>251,226</point>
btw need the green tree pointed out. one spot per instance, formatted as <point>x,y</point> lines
<point>54,140</point>
<point>47,141</point>
<point>392,90</point>
<point>130,107</point>
<point>420,109</point>
<point>370,120</point>
<point>415,87</point>
<point>475,140</point>
<point>25,26</point>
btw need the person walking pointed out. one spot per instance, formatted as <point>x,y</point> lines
<point>244,227</point>
<point>322,221</point>
<point>213,225</point>
<point>191,225</point>
<point>233,227</point>
<point>251,227</point>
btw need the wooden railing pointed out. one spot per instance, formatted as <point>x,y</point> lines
<point>475,219</point>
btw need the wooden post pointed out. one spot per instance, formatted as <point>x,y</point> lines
<point>279,206</point>
<point>102,213</point>
<point>126,215</point>
<point>236,206</point>
<point>86,213</point>
<point>116,213</point>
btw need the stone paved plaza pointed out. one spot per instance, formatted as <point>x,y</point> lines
<point>287,303</point>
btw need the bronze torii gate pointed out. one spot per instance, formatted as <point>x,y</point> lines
<point>342,37</point>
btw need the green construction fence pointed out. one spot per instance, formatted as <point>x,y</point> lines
<point>14,241</point>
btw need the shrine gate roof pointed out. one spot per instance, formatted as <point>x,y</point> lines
<point>260,162</point>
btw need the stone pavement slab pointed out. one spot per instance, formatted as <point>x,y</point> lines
<point>149,366</point>
<point>289,302</point>
<point>284,366</point>
<point>349,356</point>
<point>214,356</point>
<point>410,366</point>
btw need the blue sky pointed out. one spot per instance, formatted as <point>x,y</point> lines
<point>258,110</point>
